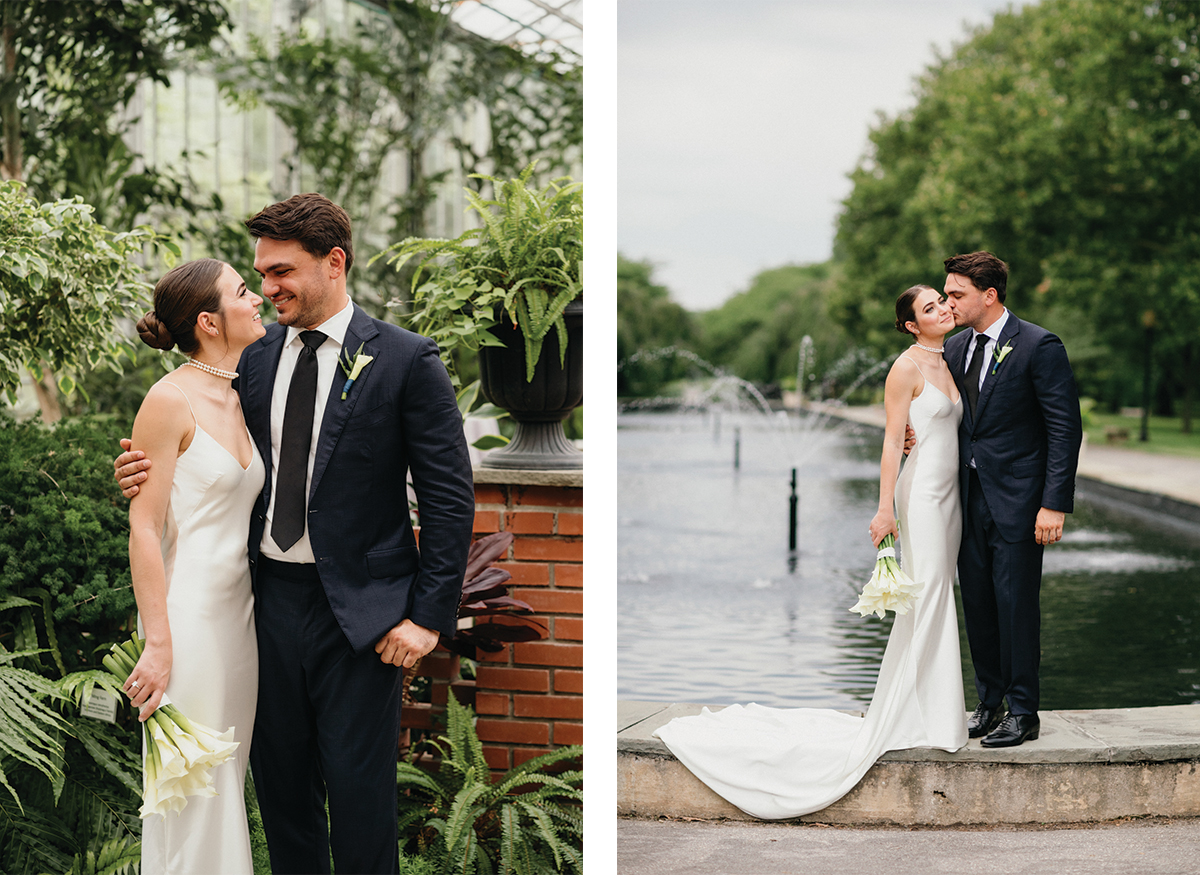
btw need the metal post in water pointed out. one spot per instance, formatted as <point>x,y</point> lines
<point>794,502</point>
<point>737,447</point>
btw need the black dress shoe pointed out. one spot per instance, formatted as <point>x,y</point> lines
<point>1013,729</point>
<point>984,720</point>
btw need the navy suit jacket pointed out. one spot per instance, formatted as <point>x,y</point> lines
<point>399,416</point>
<point>1026,431</point>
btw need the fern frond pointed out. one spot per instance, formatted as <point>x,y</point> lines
<point>409,777</point>
<point>26,723</point>
<point>117,856</point>
<point>461,820</point>
<point>48,623</point>
<point>78,685</point>
<point>34,836</point>
<point>110,754</point>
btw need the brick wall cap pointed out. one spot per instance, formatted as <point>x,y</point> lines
<point>503,476</point>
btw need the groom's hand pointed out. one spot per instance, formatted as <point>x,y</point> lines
<point>405,644</point>
<point>1049,526</point>
<point>130,469</point>
<point>910,439</point>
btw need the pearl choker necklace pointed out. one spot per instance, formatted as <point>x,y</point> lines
<point>209,369</point>
<point>937,349</point>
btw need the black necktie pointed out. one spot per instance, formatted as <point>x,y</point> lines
<point>971,380</point>
<point>292,480</point>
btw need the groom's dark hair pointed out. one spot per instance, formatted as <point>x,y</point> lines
<point>985,270</point>
<point>312,220</point>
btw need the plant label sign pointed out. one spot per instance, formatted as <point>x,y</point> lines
<point>101,706</point>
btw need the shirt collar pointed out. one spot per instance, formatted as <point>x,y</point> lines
<point>334,328</point>
<point>993,330</point>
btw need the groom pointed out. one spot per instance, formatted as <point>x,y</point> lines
<point>343,598</point>
<point>1018,448</point>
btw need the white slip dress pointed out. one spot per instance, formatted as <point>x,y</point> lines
<point>214,671</point>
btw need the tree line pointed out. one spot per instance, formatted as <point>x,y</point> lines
<point>1062,137</point>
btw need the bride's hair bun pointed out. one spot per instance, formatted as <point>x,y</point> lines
<point>154,333</point>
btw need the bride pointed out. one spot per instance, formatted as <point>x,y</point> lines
<point>781,763</point>
<point>188,555</point>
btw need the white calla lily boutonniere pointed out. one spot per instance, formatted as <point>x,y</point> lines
<point>1000,354</point>
<point>352,367</point>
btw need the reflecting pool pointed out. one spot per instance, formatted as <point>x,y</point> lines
<point>712,609</point>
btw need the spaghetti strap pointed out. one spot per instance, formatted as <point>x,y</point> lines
<point>915,365</point>
<point>189,403</point>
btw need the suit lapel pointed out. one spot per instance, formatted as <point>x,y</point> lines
<point>1011,329</point>
<point>255,386</point>
<point>362,331</point>
<point>955,355</point>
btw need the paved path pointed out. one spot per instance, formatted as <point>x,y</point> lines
<point>1177,477</point>
<point>1153,847</point>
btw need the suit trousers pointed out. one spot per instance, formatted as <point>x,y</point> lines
<point>328,724</point>
<point>1001,586</point>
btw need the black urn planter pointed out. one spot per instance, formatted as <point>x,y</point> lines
<point>538,407</point>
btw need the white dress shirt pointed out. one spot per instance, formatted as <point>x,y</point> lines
<point>993,337</point>
<point>334,329</point>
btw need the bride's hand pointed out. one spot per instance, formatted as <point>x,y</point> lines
<point>147,682</point>
<point>882,525</point>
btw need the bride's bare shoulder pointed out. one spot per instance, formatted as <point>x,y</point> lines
<point>904,374</point>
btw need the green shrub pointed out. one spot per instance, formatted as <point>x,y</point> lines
<point>64,591</point>
<point>64,540</point>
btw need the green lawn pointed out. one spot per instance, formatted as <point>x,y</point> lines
<point>1165,434</point>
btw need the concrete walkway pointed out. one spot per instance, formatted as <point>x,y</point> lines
<point>1154,847</point>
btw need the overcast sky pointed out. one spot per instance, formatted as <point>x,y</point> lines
<point>739,122</point>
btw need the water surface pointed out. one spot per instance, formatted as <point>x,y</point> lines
<point>712,609</point>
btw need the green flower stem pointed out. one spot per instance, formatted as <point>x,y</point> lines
<point>115,669</point>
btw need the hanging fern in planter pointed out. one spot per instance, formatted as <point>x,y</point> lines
<point>529,821</point>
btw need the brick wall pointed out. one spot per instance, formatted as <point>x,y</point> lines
<point>529,696</point>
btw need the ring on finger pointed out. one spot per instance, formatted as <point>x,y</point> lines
<point>136,685</point>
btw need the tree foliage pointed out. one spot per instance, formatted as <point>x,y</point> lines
<point>757,333</point>
<point>1063,137</point>
<point>647,321</point>
<point>65,283</point>
<point>74,63</point>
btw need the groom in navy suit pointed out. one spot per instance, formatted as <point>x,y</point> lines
<point>1018,449</point>
<point>343,597</point>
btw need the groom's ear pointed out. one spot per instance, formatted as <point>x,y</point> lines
<point>337,262</point>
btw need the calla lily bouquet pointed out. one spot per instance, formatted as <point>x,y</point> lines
<point>180,753</point>
<point>889,588</point>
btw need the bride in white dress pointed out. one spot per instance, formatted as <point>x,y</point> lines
<point>188,556</point>
<point>780,763</point>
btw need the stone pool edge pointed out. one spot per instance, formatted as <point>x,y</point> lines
<point>1087,766</point>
